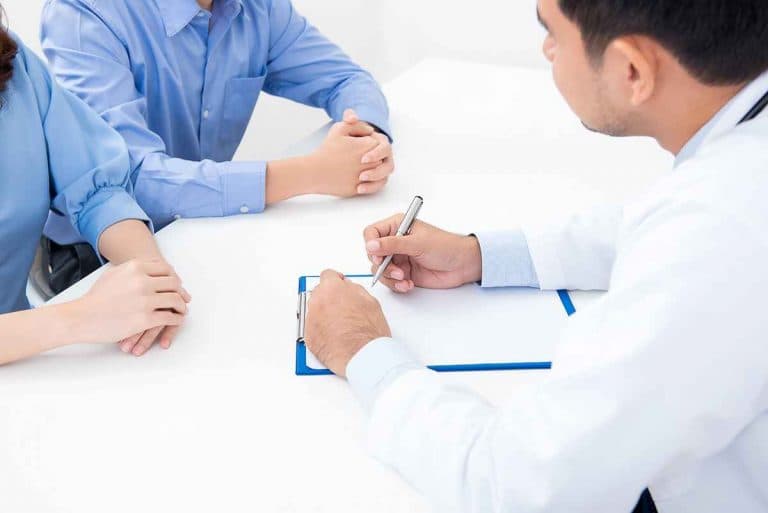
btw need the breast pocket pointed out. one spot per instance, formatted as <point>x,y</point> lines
<point>240,99</point>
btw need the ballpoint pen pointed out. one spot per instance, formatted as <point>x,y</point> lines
<point>403,229</point>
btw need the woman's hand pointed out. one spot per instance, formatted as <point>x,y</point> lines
<point>136,297</point>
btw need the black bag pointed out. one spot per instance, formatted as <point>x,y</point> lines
<point>63,266</point>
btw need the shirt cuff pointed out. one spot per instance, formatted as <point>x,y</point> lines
<point>107,207</point>
<point>376,366</point>
<point>245,187</point>
<point>506,260</point>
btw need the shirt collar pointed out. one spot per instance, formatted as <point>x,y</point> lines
<point>725,120</point>
<point>177,14</point>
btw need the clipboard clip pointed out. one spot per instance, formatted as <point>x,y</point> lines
<point>301,316</point>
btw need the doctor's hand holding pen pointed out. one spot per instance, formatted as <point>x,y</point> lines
<point>427,257</point>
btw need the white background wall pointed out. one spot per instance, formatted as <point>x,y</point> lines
<point>385,36</point>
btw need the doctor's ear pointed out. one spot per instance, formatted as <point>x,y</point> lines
<point>633,63</point>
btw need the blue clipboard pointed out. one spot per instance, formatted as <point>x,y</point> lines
<point>302,369</point>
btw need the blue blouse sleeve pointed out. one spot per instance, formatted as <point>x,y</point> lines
<point>89,165</point>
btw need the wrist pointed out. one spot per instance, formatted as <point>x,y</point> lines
<point>472,260</point>
<point>288,178</point>
<point>72,321</point>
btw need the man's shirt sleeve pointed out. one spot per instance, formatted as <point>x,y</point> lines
<point>306,67</point>
<point>90,59</point>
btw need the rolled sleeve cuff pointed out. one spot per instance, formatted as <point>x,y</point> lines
<point>376,118</point>
<point>506,260</point>
<point>107,207</point>
<point>244,185</point>
<point>376,366</point>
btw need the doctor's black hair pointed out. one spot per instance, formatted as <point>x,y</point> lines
<point>720,42</point>
<point>8,50</point>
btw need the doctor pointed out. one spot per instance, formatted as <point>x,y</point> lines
<point>664,382</point>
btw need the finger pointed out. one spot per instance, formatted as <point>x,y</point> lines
<point>329,276</point>
<point>381,152</point>
<point>166,284</point>
<point>408,245</point>
<point>395,272</point>
<point>378,173</point>
<point>350,116</point>
<point>164,318</point>
<point>383,228</point>
<point>399,286</point>
<point>168,335</point>
<point>126,345</point>
<point>157,268</point>
<point>169,301</point>
<point>186,295</point>
<point>371,187</point>
<point>358,130</point>
<point>146,341</point>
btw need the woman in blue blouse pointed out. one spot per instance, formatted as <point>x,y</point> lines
<point>57,155</point>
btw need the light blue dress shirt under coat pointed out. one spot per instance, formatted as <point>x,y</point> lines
<point>180,84</point>
<point>57,155</point>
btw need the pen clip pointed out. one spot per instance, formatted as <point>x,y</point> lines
<point>301,316</point>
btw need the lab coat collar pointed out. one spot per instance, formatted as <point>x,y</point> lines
<point>177,14</point>
<point>725,120</point>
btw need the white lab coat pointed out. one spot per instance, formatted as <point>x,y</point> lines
<point>662,383</point>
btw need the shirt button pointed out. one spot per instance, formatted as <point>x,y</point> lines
<point>206,113</point>
<point>177,217</point>
<point>244,209</point>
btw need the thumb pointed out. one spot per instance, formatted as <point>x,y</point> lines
<point>407,245</point>
<point>330,276</point>
<point>357,129</point>
<point>350,116</point>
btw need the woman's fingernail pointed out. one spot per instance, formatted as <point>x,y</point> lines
<point>137,351</point>
<point>373,245</point>
<point>365,177</point>
<point>397,275</point>
<point>361,190</point>
<point>366,159</point>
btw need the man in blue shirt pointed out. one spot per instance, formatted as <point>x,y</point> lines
<point>179,80</point>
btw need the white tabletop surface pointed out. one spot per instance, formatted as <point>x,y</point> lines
<point>220,422</point>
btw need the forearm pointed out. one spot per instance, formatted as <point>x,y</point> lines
<point>27,333</point>
<point>128,240</point>
<point>289,178</point>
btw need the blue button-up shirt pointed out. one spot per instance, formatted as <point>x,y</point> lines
<point>180,84</point>
<point>57,155</point>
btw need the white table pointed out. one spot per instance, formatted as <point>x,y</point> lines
<point>220,422</point>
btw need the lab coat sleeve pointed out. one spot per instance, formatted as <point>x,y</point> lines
<point>577,254</point>
<point>306,67</point>
<point>657,372</point>
<point>90,59</point>
<point>506,260</point>
<point>88,162</point>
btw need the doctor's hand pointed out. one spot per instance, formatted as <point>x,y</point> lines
<point>428,257</point>
<point>342,318</point>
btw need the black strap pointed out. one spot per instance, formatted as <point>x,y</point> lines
<point>63,266</point>
<point>756,110</point>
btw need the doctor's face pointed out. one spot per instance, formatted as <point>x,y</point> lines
<point>584,84</point>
